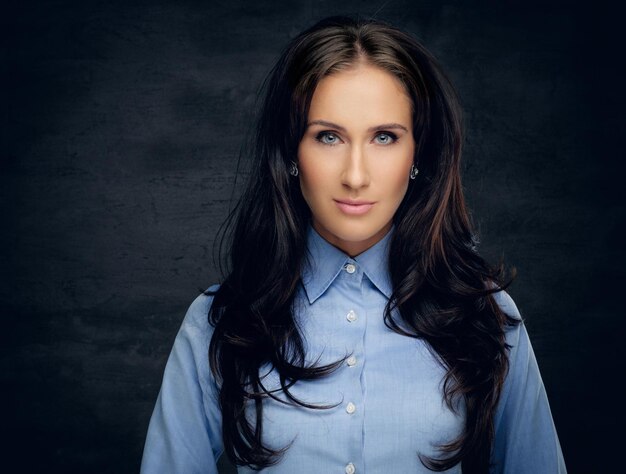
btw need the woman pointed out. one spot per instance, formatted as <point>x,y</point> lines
<point>357,328</point>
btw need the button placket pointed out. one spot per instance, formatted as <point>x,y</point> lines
<point>354,390</point>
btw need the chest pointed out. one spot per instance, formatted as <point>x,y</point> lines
<point>385,400</point>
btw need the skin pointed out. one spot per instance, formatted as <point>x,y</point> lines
<point>358,145</point>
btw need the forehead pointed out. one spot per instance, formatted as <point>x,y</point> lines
<point>363,93</point>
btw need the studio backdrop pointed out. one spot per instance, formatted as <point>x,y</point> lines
<point>123,133</point>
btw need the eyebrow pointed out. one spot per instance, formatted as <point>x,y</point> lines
<point>385,126</point>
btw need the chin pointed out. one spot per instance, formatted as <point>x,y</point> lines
<point>355,235</point>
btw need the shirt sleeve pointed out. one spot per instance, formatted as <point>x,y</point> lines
<point>184,435</point>
<point>526,441</point>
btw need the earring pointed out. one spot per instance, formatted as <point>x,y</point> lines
<point>414,172</point>
<point>293,170</point>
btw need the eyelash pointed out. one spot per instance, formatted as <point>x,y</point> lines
<point>321,135</point>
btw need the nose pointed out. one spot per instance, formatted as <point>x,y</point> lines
<point>355,174</point>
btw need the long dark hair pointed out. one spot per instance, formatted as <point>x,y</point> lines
<point>442,288</point>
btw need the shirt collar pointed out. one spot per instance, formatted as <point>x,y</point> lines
<point>324,262</point>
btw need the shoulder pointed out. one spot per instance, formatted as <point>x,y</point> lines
<point>507,305</point>
<point>191,345</point>
<point>523,367</point>
<point>504,301</point>
<point>515,330</point>
<point>197,313</point>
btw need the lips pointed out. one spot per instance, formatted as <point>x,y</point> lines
<point>354,207</point>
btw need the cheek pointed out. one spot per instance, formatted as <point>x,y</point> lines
<point>309,177</point>
<point>401,184</point>
<point>395,182</point>
<point>306,187</point>
<point>315,180</point>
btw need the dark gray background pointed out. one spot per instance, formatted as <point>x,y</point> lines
<point>122,124</point>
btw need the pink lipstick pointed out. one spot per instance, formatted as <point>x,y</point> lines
<point>354,207</point>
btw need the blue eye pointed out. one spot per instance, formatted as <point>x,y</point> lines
<point>386,138</point>
<point>327,138</point>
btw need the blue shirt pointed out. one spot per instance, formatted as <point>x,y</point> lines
<point>390,404</point>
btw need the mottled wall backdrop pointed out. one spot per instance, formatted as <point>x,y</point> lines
<point>122,126</point>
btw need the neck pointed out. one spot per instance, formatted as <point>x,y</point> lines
<point>352,247</point>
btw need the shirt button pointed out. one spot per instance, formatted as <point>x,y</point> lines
<point>350,469</point>
<point>351,316</point>
<point>350,268</point>
<point>350,408</point>
<point>351,361</point>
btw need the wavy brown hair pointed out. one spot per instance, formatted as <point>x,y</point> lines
<point>442,288</point>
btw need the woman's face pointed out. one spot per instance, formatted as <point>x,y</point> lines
<point>355,156</point>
